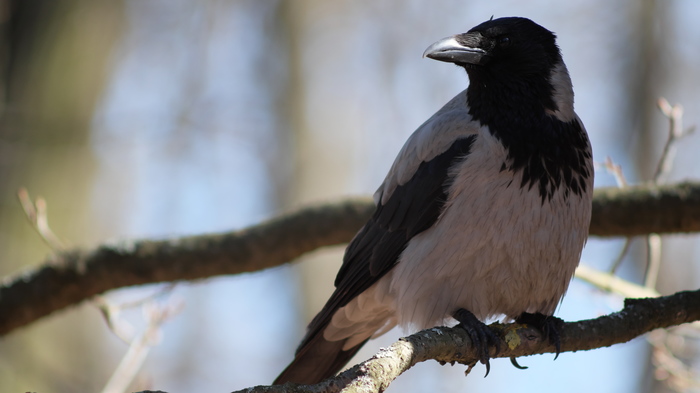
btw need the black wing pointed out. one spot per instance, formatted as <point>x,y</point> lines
<point>412,208</point>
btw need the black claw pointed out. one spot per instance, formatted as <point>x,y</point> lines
<point>517,365</point>
<point>481,335</point>
<point>547,324</point>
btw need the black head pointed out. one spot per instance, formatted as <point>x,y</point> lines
<point>513,63</point>
<point>505,46</point>
<point>520,89</point>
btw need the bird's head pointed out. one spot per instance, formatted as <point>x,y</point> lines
<point>505,46</point>
<point>512,63</point>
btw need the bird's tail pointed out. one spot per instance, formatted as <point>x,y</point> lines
<point>316,360</point>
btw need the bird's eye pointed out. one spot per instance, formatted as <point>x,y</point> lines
<point>504,41</point>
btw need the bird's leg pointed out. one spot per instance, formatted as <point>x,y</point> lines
<point>549,325</point>
<point>481,335</point>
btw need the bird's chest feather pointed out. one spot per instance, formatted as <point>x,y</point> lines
<point>498,247</point>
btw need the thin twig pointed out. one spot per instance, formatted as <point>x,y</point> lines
<point>616,171</point>
<point>674,114</point>
<point>139,348</point>
<point>621,255</point>
<point>38,218</point>
<point>611,283</point>
<point>653,260</point>
<point>668,367</point>
<point>112,312</point>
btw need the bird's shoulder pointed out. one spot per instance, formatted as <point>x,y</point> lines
<point>434,137</point>
<point>412,195</point>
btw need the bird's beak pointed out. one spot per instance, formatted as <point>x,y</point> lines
<point>451,51</point>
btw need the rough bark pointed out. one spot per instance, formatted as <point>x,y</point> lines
<point>642,210</point>
<point>70,277</point>
<point>452,345</point>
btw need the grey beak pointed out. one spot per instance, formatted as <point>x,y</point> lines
<point>451,51</point>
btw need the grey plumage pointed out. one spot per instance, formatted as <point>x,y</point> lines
<point>486,208</point>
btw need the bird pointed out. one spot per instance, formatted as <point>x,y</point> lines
<point>483,214</point>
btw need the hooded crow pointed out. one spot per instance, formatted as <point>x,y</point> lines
<point>483,214</point>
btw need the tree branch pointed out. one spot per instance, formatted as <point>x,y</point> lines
<point>452,345</point>
<point>641,210</point>
<point>70,277</point>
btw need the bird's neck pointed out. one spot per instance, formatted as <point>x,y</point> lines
<point>493,101</point>
<point>535,122</point>
<point>521,98</point>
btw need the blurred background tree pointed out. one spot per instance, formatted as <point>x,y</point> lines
<point>56,58</point>
<point>151,118</point>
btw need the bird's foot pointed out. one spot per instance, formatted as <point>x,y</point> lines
<point>549,325</point>
<point>481,335</point>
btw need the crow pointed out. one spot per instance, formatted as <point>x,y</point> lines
<point>483,214</point>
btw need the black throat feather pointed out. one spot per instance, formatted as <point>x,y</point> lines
<point>550,153</point>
